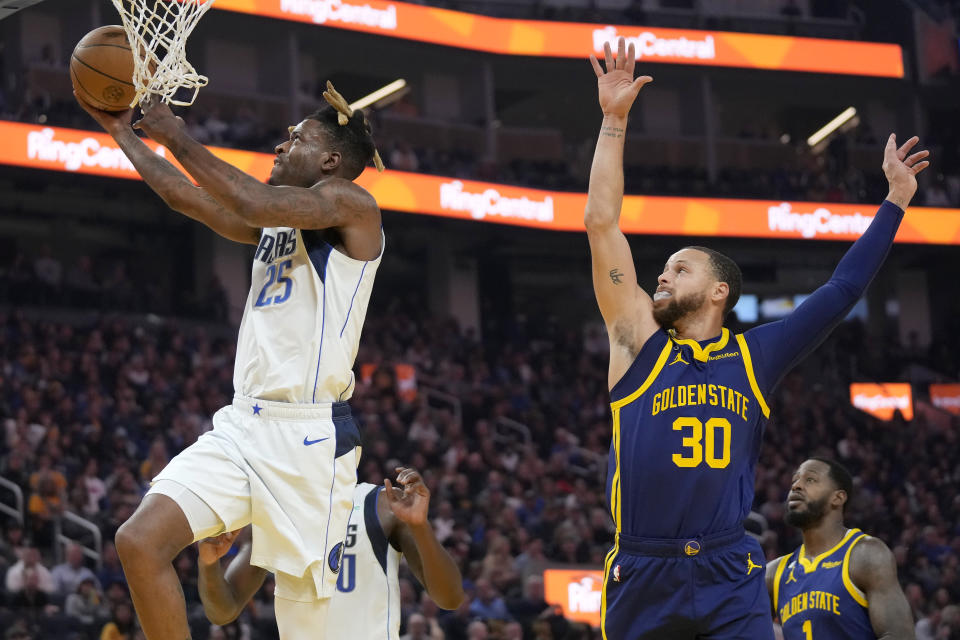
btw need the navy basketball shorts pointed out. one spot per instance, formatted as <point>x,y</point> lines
<point>709,588</point>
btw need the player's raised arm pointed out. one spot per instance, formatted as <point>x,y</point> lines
<point>311,186</point>
<point>625,306</point>
<point>411,530</point>
<point>170,183</point>
<point>873,569</point>
<point>779,345</point>
<point>224,594</point>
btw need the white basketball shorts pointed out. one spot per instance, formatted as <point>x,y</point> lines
<point>287,469</point>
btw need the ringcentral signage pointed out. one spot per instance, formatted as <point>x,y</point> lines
<point>70,150</point>
<point>577,40</point>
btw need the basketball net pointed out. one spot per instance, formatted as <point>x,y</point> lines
<point>158,32</point>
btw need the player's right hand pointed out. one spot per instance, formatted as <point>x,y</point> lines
<point>111,121</point>
<point>617,87</point>
<point>212,549</point>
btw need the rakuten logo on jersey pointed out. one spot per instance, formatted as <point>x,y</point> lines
<point>322,11</point>
<point>821,221</point>
<point>491,203</point>
<point>648,45</point>
<point>74,156</point>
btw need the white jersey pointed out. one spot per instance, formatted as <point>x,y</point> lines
<point>302,321</point>
<point>366,605</point>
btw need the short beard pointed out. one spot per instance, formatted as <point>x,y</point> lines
<point>809,517</point>
<point>676,309</point>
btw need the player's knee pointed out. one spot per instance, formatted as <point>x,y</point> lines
<point>152,533</point>
<point>131,547</point>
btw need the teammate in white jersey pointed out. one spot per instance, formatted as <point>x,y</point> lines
<point>282,457</point>
<point>386,522</point>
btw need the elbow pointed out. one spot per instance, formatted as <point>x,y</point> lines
<point>594,221</point>
<point>220,613</point>
<point>220,617</point>
<point>449,599</point>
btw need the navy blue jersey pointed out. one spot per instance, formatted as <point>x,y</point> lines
<point>688,418</point>
<point>816,598</point>
<point>687,425</point>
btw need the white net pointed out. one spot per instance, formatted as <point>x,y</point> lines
<point>158,32</point>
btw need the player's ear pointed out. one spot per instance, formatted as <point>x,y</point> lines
<point>839,498</point>
<point>330,161</point>
<point>720,291</point>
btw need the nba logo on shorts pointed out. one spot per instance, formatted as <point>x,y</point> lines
<point>616,573</point>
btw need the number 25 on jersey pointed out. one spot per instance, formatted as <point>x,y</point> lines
<point>275,276</point>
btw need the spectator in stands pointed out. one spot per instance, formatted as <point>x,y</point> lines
<point>477,631</point>
<point>402,158</point>
<point>417,629</point>
<point>30,563</point>
<point>487,603</point>
<point>86,605</point>
<point>12,545</point>
<point>110,571</point>
<point>49,270</point>
<point>31,601</point>
<point>68,576</point>
<point>121,624</point>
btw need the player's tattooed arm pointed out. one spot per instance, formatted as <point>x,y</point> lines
<point>331,203</point>
<point>873,568</point>
<point>180,194</point>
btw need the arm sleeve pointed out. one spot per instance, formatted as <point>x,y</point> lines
<point>779,345</point>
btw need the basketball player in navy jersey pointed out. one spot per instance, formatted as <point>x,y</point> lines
<point>841,584</point>
<point>689,401</point>
<point>387,522</point>
<point>289,430</point>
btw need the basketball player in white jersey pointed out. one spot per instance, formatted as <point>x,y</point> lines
<point>282,457</point>
<point>386,522</point>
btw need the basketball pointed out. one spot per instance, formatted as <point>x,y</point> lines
<point>101,69</point>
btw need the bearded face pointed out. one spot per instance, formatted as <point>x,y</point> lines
<point>807,513</point>
<point>676,308</point>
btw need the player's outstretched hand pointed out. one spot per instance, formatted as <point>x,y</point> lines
<point>411,503</point>
<point>158,121</point>
<point>212,549</point>
<point>111,121</point>
<point>902,169</point>
<point>617,86</point>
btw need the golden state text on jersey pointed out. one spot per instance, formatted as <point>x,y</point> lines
<point>817,598</point>
<point>688,420</point>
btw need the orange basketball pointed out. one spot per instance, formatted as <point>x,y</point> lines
<point>101,69</point>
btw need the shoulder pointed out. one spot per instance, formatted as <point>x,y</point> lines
<point>347,193</point>
<point>772,567</point>
<point>871,563</point>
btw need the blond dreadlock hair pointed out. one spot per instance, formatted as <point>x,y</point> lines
<point>344,113</point>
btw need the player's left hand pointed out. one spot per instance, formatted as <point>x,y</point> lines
<point>159,122</point>
<point>411,503</point>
